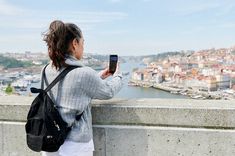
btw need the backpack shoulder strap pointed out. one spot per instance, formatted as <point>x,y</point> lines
<point>60,76</point>
<point>43,77</point>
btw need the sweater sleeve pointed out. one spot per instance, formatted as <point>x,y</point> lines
<point>98,88</point>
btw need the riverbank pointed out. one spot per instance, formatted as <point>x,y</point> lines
<point>178,90</point>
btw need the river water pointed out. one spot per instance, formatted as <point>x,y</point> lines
<point>133,91</point>
<point>140,92</point>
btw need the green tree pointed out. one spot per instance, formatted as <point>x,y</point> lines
<point>9,89</point>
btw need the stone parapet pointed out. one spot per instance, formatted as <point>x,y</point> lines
<point>137,127</point>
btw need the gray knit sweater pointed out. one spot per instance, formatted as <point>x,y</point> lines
<point>74,93</point>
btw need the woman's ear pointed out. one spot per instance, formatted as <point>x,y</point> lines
<point>74,43</point>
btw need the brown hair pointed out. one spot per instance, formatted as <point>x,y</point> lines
<point>58,38</point>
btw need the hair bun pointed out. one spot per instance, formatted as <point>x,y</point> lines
<point>55,25</point>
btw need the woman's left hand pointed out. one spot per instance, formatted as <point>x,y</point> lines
<point>105,73</point>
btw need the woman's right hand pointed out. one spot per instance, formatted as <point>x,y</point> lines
<point>117,71</point>
<point>105,73</point>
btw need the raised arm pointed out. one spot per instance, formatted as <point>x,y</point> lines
<point>98,88</point>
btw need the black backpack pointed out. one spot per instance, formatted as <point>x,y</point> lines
<point>45,128</point>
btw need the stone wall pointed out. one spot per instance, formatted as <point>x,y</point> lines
<point>138,127</point>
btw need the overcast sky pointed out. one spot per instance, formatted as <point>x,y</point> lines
<point>124,27</point>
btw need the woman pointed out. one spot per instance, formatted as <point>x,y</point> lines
<point>74,93</point>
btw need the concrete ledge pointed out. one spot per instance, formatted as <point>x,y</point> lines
<point>150,112</point>
<point>14,108</point>
<point>126,127</point>
<point>173,113</point>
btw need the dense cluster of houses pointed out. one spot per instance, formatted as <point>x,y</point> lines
<point>205,70</point>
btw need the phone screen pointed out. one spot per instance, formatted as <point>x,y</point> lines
<point>113,63</point>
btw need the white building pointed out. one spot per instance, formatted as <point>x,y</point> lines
<point>223,81</point>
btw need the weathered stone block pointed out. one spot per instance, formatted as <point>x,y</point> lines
<point>14,140</point>
<point>99,140</point>
<point>167,141</point>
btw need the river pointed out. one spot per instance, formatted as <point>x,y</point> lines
<point>133,91</point>
<point>140,92</point>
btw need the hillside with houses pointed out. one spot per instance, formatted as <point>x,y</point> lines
<point>203,74</point>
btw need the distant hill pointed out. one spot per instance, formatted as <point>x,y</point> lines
<point>164,55</point>
<point>103,58</point>
<point>8,62</point>
<point>160,56</point>
<point>98,57</point>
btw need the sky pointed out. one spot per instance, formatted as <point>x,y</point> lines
<point>123,27</point>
